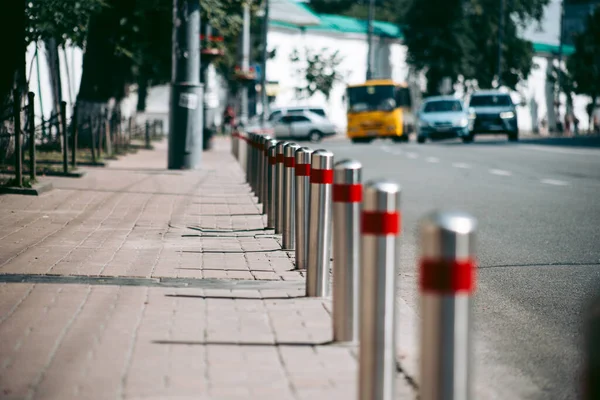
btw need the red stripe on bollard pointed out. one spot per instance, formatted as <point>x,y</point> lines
<point>448,276</point>
<point>289,162</point>
<point>302,169</point>
<point>323,176</point>
<point>279,158</point>
<point>272,161</point>
<point>380,223</point>
<point>347,193</point>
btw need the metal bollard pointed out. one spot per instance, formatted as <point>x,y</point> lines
<point>255,150</point>
<point>447,281</point>
<point>260,156</point>
<point>265,175</point>
<point>272,183</point>
<point>289,188</point>
<point>302,194</point>
<point>252,148</point>
<point>347,198</point>
<point>319,225</point>
<point>380,227</point>
<point>591,378</point>
<point>279,187</point>
<point>248,155</point>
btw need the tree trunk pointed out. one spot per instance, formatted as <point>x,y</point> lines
<point>142,94</point>
<point>55,78</point>
<point>105,72</point>
<point>12,67</point>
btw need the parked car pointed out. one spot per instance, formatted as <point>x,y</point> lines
<point>494,112</point>
<point>443,117</point>
<point>277,112</point>
<point>303,125</point>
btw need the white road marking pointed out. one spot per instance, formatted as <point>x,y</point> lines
<point>412,155</point>
<point>500,172</point>
<point>432,159</point>
<point>460,165</point>
<point>560,150</point>
<point>554,182</point>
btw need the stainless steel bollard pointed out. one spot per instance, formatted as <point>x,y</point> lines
<point>447,281</point>
<point>289,189</point>
<point>265,175</point>
<point>272,180</point>
<point>591,370</point>
<point>347,198</point>
<point>380,227</point>
<point>261,170</point>
<point>279,174</point>
<point>319,225</point>
<point>302,192</point>
<point>255,163</point>
<point>251,170</point>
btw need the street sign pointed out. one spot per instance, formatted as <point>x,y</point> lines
<point>258,71</point>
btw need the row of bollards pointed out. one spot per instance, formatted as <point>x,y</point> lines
<point>304,195</point>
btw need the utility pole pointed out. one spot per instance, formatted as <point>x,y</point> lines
<point>185,116</point>
<point>245,61</point>
<point>560,59</point>
<point>370,40</point>
<point>263,67</point>
<point>500,40</point>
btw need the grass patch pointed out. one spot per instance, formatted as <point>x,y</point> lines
<point>6,181</point>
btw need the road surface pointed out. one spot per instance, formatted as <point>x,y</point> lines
<point>538,207</point>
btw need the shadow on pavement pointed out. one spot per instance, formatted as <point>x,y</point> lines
<point>191,296</point>
<point>199,343</point>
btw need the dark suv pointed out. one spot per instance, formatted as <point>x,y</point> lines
<point>494,112</point>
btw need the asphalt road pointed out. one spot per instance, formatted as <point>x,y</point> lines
<point>537,203</point>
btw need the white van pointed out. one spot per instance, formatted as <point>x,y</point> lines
<point>280,111</point>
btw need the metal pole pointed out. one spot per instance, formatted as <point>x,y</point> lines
<point>280,171</point>
<point>107,137</point>
<point>93,138</point>
<point>263,66</point>
<point>592,349</point>
<point>302,192</point>
<point>31,119</point>
<point>380,227</point>
<point>262,178</point>
<point>74,132</point>
<point>17,126</point>
<point>447,281</point>
<point>289,185</point>
<point>271,209</point>
<point>347,198</point>
<point>245,61</point>
<point>370,40</point>
<point>147,135</point>
<point>248,141</point>
<point>63,118</point>
<point>266,175</point>
<point>500,39</point>
<point>319,226</point>
<point>185,131</point>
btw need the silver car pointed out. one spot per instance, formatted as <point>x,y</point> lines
<point>303,125</point>
<point>443,117</point>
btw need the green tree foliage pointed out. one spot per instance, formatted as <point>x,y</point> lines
<point>62,20</point>
<point>385,10</point>
<point>448,38</point>
<point>584,64</point>
<point>319,69</point>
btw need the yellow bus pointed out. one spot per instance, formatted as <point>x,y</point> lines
<point>379,109</point>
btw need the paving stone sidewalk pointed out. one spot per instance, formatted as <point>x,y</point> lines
<point>137,282</point>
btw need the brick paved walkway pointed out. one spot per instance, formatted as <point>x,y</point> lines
<point>136,282</point>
